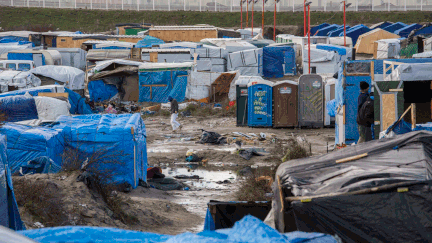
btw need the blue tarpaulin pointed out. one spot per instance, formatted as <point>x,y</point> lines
<point>405,31</point>
<point>342,51</point>
<point>338,31</point>
<point>119,137</point>
<point>99,91</point>
<point>393,27</point>
<point>16,38</point>
<point>149,41</point>
<point>9,215</point>
<point>18,108</point>
<point>383,25</point>
<point>425,31</point>
<point>249,229</point>
<point>324,31</point>
<point>331,108</point>
<point>23,56</point>
<point>278,61</point>
<point>355,32</point>
<point>318,27</point>
<point>41,165</point>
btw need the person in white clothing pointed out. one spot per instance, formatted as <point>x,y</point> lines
<point>174,114</point>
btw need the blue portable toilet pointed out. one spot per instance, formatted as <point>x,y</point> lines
<point>278,61</point>
<point>392,28</point>
<point>405,31</point>
<point>318,27</point>
<point>260,104</point>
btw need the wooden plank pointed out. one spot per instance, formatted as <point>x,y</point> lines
<point>396,90</point>
<point>372,71</point>
<point>53,95</point>
<point>356,157</point>
<point>413,115</point>
<point>153,57</point>
<point>388,110</point>
<point>280,193</point>
<point>344,114</point>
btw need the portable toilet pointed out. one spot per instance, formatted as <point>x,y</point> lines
<point>329,96</point>
<point>260,107</point>
<point>285,103</point>
<point>242,98</point>
<point>311,101</point>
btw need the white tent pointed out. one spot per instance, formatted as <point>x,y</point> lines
<point>72,57</point>
<point>411,72</point>
<point>70,77</point>
<point>247,62</point>
<point>211,58</point>
<point>17,79</point>
<point>321,61</point>
<point>200,85</point>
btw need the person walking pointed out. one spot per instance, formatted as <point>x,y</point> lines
<point>365,113</point>
<point>174,114</point>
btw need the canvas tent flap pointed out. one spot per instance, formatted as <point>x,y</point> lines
<point>71,77</point>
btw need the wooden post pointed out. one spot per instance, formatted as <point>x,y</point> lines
<point>413,115</point>
<point>280,194</point>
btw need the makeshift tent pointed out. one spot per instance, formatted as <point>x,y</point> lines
<point>211,58</point>
<point>389,48</point>
<point>322,61</point>
<point>184,44</point>
<point>425,31</point>
<point>39,57</point>
<point>341,41</point>
<point>381,25</point>
<point>355,32</point>
<point>427,54</point>
<point>247,33</point>
<point>72,57</point>
<point>249,229</point>
<point>101,44</point>
<point>345,53</point>
<point>405,31</point>
<point>249,62</point>
<point>13,46</point>
<point>17,35</point>
<point>166,55</point>
<point>99,91</point>
<point>279,61</point>
<point>318,27</point>
<point>10,215</point>
<point>230,44</point>
<point>366,42</point>
<point>352,192</point>
<point>324,31</point>
<point>157,81</point>
<point>393,27</point>
<point>70,77</point>
<point>200,84</point>
<point>26,143</point>
<point>18,108</point>
<point>13,80</point>
<point>121,139</point>
<point>36,90</point>
<point>336,32</point>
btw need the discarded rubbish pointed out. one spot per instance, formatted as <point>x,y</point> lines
<point>247,154</point>
<point>165,184</point>
<point>211,137</point>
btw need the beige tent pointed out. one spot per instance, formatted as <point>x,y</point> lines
<point>365,42</point>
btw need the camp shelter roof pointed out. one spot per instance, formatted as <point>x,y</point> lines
<point>123,70</point>
<point>124,36</point>
<point>405,31</point>
<point>393,27</point>
<point>285,82</point>
<point>184,27</point>
<point>108,54</point>
<point>423,54</point>
<point>318,27</point>
<point>245,80</point>
<point>72,78</point>
<point>317,55</point>
<point>24,34</point>
<point>35,90</point>
<point>324,31</point>
<point>321,175</point>
<point>338,31</point>
<point>341,50</point>
<point>175,45</point>
<point>266,82</point>
<point>149,41</point>
<point>168,50</point>
<point>12,46</point>
<point>365,42</point>
<point>57,33</point>
<point>411,72</point>
<point>100,66</point>
<point>425,31</point>
<point>355,32</point>
<point>131,24</point>
<point>67,34</point>
<point>381,25</point>
<point>163,66</point>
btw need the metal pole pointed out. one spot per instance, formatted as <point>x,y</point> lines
<point>215,6</point>
<point>372,5</point>
<point>304,17</point>
<point>421,6</point>
<point>241,14</point>
<point>184,5</point>
<point>262,18</point>
<point>91,4</point>
<point>388,4</point>
<point>344,23</point>
<point>232,5</point>
<point>293,6</point>
<point>325,5</point>
<point>122,5</point>
<point>357,5</point>
<point>59,3</point>
<point>43,3</point>
<point>274,24</point>
<point>28,4</point>
<point>309,56</point>
<point>405,6</point>
<point>12,3</point>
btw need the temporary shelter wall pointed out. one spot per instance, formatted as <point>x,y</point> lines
<point>324,31</point>
<point>168,33</point>
<point>345,53</point>
<point>311,100</point>
<point>279,61</point>
<point>321,60</point>
<point>110,44</point>
<point>26,143</point>
<point>7,47</point>
<point>157,81</point>
<point>18,108</point>
<point>178,45</point>
<point>10,215</point>
<point>329,96</point>
<point>303,41</point>
<point>381,25</point>
<point>247,33</point>
<point>76,40</point>
<point>405,31</point>
<point>242,98</point>
<point>70,77</point>
<point>99,91</point>
<point>107,54</point>
<point>389,48</point>
<point>40,57</point>
<point>341,41</point>
<point>351,198</point>
<point>211,58</point>
<point>149,41</point>
<point>365,42</point>
<point>200,84</point>
<point>17,80</point>
<point>260,104</point>
<point>166,55</point>
<point>248,62</point>
<point>393,27</point>
<point>72,57</point>
<point>285,103</point>
<point>355,32</point>
<point>336,32</point>
<point>122,137</point>
<point>318,27</point>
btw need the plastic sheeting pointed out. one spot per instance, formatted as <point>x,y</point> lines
<point>78,104</point>
<point>72,57</point>
<point>9,215</point>
<point>26,143</point>
<point>49,109</point>
<point>7,47</point>
<point>100,91</point>
<point>249,229</point>
<point>100,66</point>
<point>149,41</point>
<point>200,85</point>
<point>178,45</point>
<point>71,77</point>
<point>18,108</point>
<point>405,31</point>
<point>278,61</point>
<point>323,61</point>
<point>122,137</point>
<point>357,218</point>
<point>355,32</point>
<point>393,27</point>
<point>338,31</point>
<point>216,57</point>
<point>318,27</point>
<point>160,85</point>
<point>345,53</point>
<point>427,54</point>
<point>411,72</point>
<point>324,31</point>
<point>18,79</point>
<point>249,62</point>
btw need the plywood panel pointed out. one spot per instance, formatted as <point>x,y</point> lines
<point>389,110</point>
<point>132,40</point>
<point>66,95</point>
<point>183,35</point>
<point>153,57</point>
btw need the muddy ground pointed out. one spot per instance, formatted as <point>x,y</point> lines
<point>171,212</point>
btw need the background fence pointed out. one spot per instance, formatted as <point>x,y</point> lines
<point>224,5</point>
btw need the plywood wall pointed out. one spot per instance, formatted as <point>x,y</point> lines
<point>183,35</point>
<point>388,110</point>
<point>70,43</point>
<point>132,40</point>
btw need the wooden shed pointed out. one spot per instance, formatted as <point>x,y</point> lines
<point>76,40</point>
<point>183,33</point>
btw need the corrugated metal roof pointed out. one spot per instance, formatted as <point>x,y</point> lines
<point>165,50</point>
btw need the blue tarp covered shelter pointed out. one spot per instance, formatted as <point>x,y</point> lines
<point>405,31</point>
<point>18,108</point>
<point>381,25</point>
<point>149,41</point>
<point>318,27</point>
<point>324,31</point>
<point>100,91</point>
<point>118,142</point>
<point>338,31</point>
<point>344,52</point>
<point>9,214</point>
<point>23,56</point>
<point>355,32</point>
<point>157,81</point>
<point>425,31</point>
<point>278,61</point>
<point>27,143</point>
<point>393,27</point>
<point>249,229</point>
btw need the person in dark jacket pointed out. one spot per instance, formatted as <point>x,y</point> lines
<point>174,114</point>
<point>364,125</point>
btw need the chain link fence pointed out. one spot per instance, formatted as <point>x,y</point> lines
<point>225,5</point>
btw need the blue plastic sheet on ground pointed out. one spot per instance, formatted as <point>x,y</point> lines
<point>18,108</point>
<point>149,41</point>
<point>26,143</point>
<point>9,215</point>
<point>331,108</point>
<point>318,27</point>
<point>100,91</point>
<point>405,31</point>
<point>249,229</point>
<point>157,86</point>
<point>278,60</point>
<point>401,127</point>
<point>118,141</point>
<point>78,104</point>
<point>41,165</point>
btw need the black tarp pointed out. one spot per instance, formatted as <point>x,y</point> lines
<point>390,215</point>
